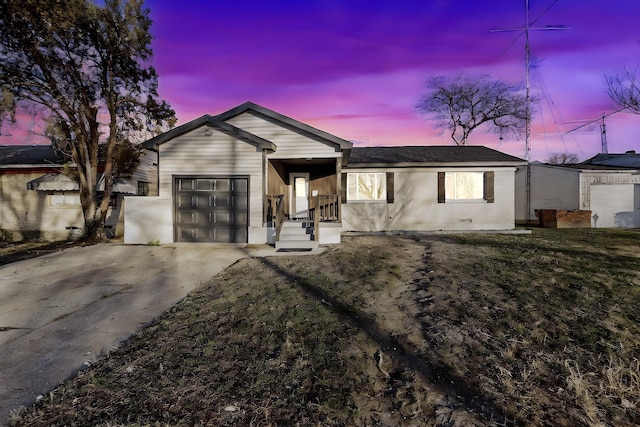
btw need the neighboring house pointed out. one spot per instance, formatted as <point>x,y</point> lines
<point>38,201</point>
<point>251,175</point>
<point>628,160</point>
<point>608,185</point>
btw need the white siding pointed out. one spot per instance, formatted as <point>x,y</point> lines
<point>147,171</point>
<point>552,187</point>
<point>148,219</point>
<point>416,206</point>
<point>196,154</point>
<point>590,178</point>
<point>289,144</point>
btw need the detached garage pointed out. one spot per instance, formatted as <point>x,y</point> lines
<point>616,205</point>
<point>606,191</point>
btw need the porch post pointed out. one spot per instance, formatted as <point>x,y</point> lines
<point>316,218</point>
<point>265,187</point>
<point>339,187</point>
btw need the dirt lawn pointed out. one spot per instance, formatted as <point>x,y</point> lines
<point>459,330</point>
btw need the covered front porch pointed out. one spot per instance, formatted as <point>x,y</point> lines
<point>302,202</point>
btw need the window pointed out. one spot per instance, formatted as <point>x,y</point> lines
<point>300,186</point>
<point>464,185</point>
<point>65,198</point>
<point>467,186</point>
<point>366,186</point>
<point>143,188</point>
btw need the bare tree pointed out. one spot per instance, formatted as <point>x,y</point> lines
<point>462,104</point>
<point>624,90</point>
<point>562,158</point>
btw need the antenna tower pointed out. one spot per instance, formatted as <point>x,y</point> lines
<point>527,142</point>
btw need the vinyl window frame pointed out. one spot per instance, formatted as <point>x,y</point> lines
<point>488,190</point>
<point>386,194</point>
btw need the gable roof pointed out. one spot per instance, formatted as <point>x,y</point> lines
<point>29,156</point>
<point>431,155</point>
<point>288,123</point>
<point>213,122</point>
<point>629,160</point>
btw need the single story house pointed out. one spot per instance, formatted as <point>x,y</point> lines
<point>38,201</point>
<point>252,175</point>
<point>607,185</point>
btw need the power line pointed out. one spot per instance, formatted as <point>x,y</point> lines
<point>525,31</point>
<point>604,145</point>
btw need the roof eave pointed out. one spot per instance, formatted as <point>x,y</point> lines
<point>153,143</point>
<point>213,122</point>
<point>434,164</point>
<point>32,166</point>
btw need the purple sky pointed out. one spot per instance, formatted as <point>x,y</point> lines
<point>357,68</point>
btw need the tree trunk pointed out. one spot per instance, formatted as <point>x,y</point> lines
<point>112,142</point>
<point>85,154</point>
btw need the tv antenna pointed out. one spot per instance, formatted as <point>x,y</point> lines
<point>527,49</point>
<point>604,148</point>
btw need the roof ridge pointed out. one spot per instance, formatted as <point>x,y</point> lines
<point>298,126</point>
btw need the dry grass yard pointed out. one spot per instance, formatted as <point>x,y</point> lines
<point>440,330</point>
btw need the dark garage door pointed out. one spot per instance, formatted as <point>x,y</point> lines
<point>212,209</point>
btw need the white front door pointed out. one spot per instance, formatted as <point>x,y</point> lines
<point>299,183</point>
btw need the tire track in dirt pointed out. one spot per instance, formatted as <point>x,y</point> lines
<point>398,325</point>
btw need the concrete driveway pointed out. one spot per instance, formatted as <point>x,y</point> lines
<point>59,312</point>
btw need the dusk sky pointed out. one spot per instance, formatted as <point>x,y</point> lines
<point>357,68</point>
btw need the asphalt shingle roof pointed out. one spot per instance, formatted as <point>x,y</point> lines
<point>627,160</point>
<point>589,167</point>
<point>29,155</point>
<point>429,154</point>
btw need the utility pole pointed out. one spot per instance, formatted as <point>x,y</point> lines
<point>604,146</point>
<point>603,137</point>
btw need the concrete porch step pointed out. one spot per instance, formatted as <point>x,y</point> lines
<point>296,235</point>
<point>296,224</point>
<point>306,245</point>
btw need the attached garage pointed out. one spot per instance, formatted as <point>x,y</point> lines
<point>211,209</point>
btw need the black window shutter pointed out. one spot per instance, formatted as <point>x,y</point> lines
<point>441,196</point>
<point>390,189</point>
<point>343,188</point>
<point>488,187</point>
